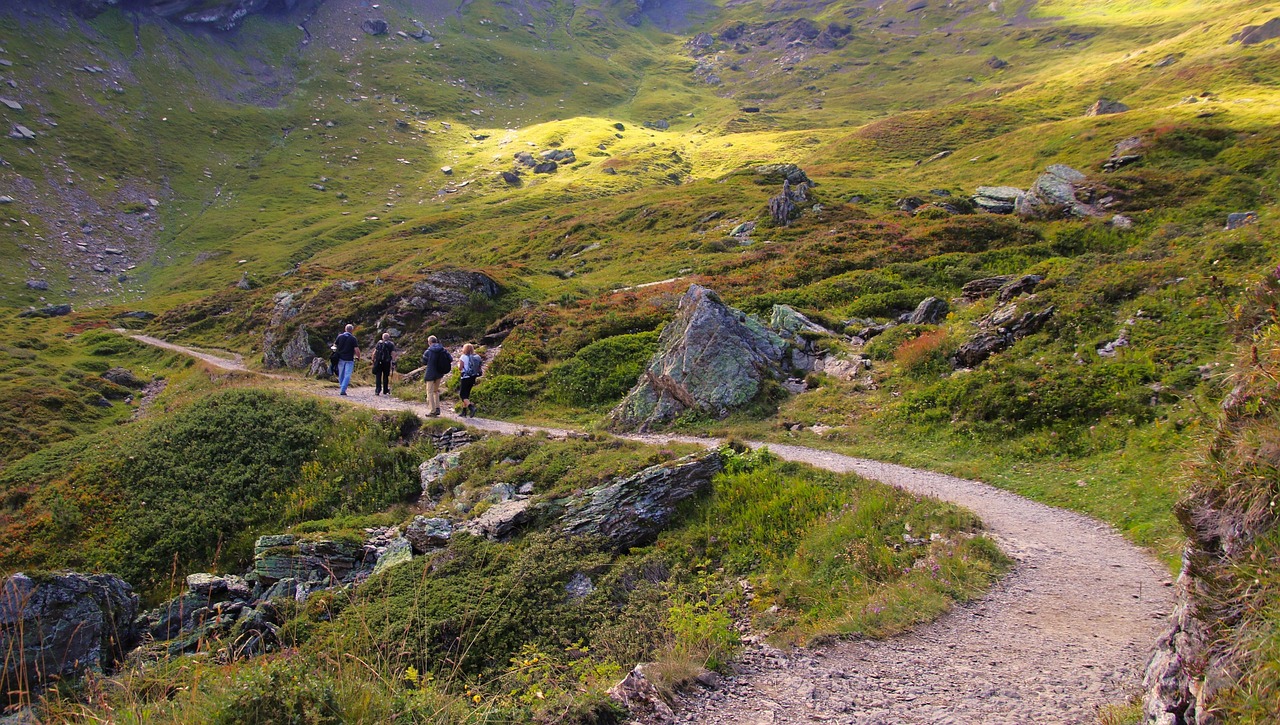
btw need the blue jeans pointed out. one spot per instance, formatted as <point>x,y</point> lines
<point>344,374</point>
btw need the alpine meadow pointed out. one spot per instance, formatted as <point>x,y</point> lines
<point>866,362</point>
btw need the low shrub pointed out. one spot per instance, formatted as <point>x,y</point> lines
<point>603,371</point>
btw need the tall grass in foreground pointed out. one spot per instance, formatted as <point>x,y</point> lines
<point>486,632</point>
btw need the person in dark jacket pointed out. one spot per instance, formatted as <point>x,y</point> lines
<point>383,356</point>
<point>469,368</point>
<point>348,353</point>
<point>333,361</point>
<point>438,362</point>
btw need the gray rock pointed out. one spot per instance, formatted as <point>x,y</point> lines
<point>1254,34</point>
<point>433,470</point>
<point>400,551</point>
<point>511,177</point>
<point>786,319</point>
<point>711,358</point>
<point>47,311</point>
<point>633,510</point>
<point>985,287</point>
<point>743,229</point>
<point>136,315</point>
<point>1237,220</point>
<point>306,561</point>
<point>1019,286</point>
<point>997,199</point>
<point>524,158</point>
<point>6,199</point>
<point>578,587</point>
<point>59,625</point>
<point>214,586</point>
<point>374,26</point>
<point>425,534</point>
<point>988,342</point>
<point>640,697</point>
<point>779,173</point>
<point>319,368</point>
<point>284,589</point>
<point>1053,192</point>
<point>11,104</point>
<point>546,167</point>
<point>1120,221</point>
<point>930,311</point>
<point>447,289</point>
<point>124,378</point>
<point>1105,107</point>
<point>21,132</point>
<point>38,284</point>
<point>500,521</point>
<point>296,353</point>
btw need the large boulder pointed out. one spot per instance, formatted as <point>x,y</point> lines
<point>778,173</point>
<point>1054,192</point>
<point>930,311</point>
<point>297,353</point>
<point>284,557</point>
<point>633,510</point>
<point>60,625</point>
<point>1105,107</point>
<point>426,534</point>
<point>711,359</point>
<point>1254,34</point>
<point>999,334</point>
<point>997,199</point>
<point>446,289</point>
<point>500,521</point>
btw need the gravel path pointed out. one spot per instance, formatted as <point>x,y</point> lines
<point>1066,632</point>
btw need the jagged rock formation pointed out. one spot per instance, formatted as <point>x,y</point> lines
<point>60,625</point>
<point>631,511</point>
<point>1054,190</point>
<point>711,359</point>
<point>1000,330</point>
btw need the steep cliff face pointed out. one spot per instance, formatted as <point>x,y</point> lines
<point>1216,661</point>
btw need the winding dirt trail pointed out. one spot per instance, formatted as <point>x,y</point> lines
<point>1065,633</point>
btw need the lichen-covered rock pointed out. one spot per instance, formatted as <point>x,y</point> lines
<point>61,625</point>
<point>640,697</point>
<point>398,552</point>
<point>711,358</point>
<point>930,311</point>
<point>500,521</point>
<point>990,341</point>
<point>997,199</point>
<point>433,469</point>
<point>297,353</point>
<point>1054,192</point>
<point>633,510</point>
<point>426,534</point>
<point>787,319</point>
<point>447,289</point>
<point>281,557</point>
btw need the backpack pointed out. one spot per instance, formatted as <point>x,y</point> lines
<point>468,370</point>
<point>382,351</point>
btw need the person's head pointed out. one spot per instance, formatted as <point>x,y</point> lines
<point>468,348</point>
<point>386,336</point>
<point>431,340</point>
<point>350,328</point>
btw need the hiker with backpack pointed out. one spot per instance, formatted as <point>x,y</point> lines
<point>470,367</point>
<point>438,362</point>
<point>383,355</point>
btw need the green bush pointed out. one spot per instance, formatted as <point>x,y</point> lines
<point>603,371</point>
<point>279,693</point>
<point>503,394</point>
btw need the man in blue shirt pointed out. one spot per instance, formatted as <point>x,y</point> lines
<point>348,353</point>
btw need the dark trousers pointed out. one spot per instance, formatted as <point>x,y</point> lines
<point>382,377</point>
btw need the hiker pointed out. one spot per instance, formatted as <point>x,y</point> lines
<point>348,350</point>
<point>383,354</point>
<point>333,361</point>
<point>438,362</point>
<point>469,368</point>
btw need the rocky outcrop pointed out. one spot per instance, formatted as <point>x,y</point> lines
<point>124,378</point>
<point>930,311</point>
<point>1105,107</point>
<point>640,697</point>
<point>1236,220</point>
<point>998,336</point>
<point>284,557</point>
<point>433,470</point>
<point>631,511</point>
<point>997,199</point>
<point>984,287</point>
<point>786,319</point>
<point>59,625</point>
<point>500,521</point>
<point>779,173</point>
<point>1255,34</point>
<point>711,359</point>
<point>223,16</point>
<point>1054,194</point>
<point>47,311</point>
<point>213,609</point>
<point>297,353</point>
<point>427,534</point>
<point>446,289</point>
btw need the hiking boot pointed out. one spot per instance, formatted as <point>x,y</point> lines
<point>434,414</point>
<point>471,410</point>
